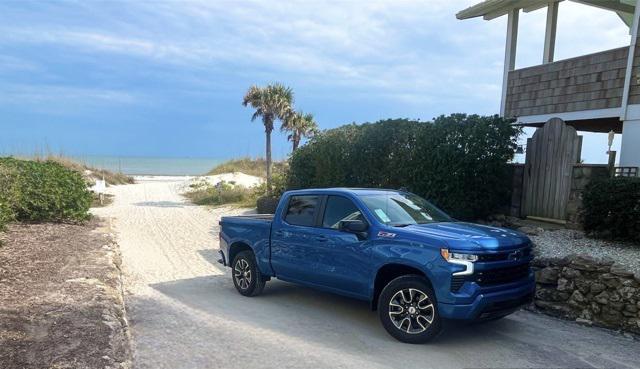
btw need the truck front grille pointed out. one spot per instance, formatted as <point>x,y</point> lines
<point>501,256</point>
<point>501,275</point>
<point>491,277</point>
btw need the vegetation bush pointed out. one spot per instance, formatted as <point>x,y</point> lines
<point>612,208</point>
<point>255,167</point>
<point>459,162</point>
<point>42,191</point>
<point>267,204</point>
<point>7,195</point>
<point>221,194</point>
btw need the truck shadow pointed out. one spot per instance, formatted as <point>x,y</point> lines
<point>289,317</point>
<point>306,313</point>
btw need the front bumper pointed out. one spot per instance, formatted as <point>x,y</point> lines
<point>493,304</point>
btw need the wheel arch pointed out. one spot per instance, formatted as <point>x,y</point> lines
<point>388,272</point>
<point>237,247</point>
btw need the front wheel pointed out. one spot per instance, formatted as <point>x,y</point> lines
<point>246,275</point>
<point>408,310</point>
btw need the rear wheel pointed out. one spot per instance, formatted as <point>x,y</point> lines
<point>408,310</point>
<point>246,275</point>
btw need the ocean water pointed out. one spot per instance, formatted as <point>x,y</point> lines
<point>151,165</point>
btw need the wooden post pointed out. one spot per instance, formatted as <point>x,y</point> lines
<point>612,163</point>
<point>630,57</point>
<point>550,32</point>
<point>509,55</point>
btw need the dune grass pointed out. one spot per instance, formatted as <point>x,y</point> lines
<point>252,166</point>
<point>111,178</point>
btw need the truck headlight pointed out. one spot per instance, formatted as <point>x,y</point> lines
<point>450,256</point>
<point>461,259</point>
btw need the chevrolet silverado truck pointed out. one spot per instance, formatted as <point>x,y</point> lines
<point>410,260</point>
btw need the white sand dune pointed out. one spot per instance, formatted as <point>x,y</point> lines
<point>235,178</point>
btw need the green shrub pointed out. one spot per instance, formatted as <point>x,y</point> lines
<point>223,193</point>
<point>43,191</point>
<point>612,208</point>
<point>279,179</point>
<point>7,196</point>
<point>459,162</point>
<point>267,204</point>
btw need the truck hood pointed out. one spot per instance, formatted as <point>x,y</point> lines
<point>469,236</point>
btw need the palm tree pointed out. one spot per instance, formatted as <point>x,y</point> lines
<point>300,125</point>
<point>271,102</point>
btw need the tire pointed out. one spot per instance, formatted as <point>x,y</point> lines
<point>246,275</point>
<point>408,310</point>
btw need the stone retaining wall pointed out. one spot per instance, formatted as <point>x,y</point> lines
<point>588,290</point>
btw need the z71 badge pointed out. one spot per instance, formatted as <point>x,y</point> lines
<point>386,234</point>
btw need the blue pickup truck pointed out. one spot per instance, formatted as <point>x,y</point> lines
<point>410,260</point>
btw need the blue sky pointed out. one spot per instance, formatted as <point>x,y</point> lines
<point>166,78</point>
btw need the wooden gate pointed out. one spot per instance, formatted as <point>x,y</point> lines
<point>551,154</point>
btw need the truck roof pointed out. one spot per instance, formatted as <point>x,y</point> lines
<point>355,191</point>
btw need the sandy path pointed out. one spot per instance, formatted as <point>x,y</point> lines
<point>185,313</point>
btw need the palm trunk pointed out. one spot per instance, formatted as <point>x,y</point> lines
<point>296,141</point>
<point>268,134</point>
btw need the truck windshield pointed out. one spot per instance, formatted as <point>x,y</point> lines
<point>402,209</point>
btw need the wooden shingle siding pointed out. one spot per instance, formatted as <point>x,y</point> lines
<point>587,82</point>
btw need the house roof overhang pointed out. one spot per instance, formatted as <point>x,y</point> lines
<point>490,9</point>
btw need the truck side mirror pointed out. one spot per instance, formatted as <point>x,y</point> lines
<point>353,226</point>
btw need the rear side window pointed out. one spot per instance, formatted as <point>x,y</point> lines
<point>338,209</point>
<point>302,210</point>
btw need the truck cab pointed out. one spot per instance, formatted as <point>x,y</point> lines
<point>410,260</point>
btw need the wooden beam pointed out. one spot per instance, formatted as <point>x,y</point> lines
<point>514,4</point>
<point>547,220</point>
<point>612,5</point>
<point>632,47</point>
<point>550,32</point>
<point>496,14</point>
<point>509,54</point>
<point>535,6</point>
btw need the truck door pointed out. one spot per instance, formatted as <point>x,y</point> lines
<point>341,259</point>
<point>293,233</point>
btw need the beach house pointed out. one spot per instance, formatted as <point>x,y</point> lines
<point>590,93</point>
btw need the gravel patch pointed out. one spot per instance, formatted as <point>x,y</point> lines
<point>564,242</point>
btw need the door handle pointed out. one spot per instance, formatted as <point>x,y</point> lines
<point>278,233</point>
<point>321,239</point>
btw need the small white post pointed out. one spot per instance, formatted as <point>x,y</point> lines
<point>509,54</point>
<point>550,32</point>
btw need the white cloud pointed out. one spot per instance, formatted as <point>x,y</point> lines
<point>414,51</point>
<point>47,94</point>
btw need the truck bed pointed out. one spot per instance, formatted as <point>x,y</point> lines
<point>268,217</point>
<point>252,230</point>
